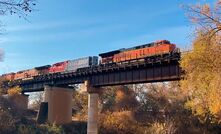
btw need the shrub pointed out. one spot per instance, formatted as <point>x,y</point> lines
<point>118,122</point>
<point>14,91</point>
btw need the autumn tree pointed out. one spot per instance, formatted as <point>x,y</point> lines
<point>203,65</point>
<point>37,99</point>
<point>14,91</point>
<point>108,99</point>
<point>125,99</point>
<point>80,105</point>
<point>206,18</point>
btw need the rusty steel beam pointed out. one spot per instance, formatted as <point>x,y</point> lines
<point>160,73</point>
<point>146,74</point>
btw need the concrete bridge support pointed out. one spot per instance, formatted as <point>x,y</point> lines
<point>59,104</point>
<point>92,123</point>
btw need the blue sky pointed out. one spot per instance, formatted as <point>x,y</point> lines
<point>61,30</point>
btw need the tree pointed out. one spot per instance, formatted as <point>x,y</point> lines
<point>206,18</point>
<point>14,91</point>
<point>125,99</point>
<point>118,98</point>
<point>80,105</point>
<point>202,65</point>
<point>19,7</point>
<point>107,99</point>
<point>202,78</point>
<point>37,99</point>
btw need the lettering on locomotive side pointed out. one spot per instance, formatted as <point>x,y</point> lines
<point>139,52</point>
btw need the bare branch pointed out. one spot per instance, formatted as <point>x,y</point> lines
<point>206,19</point>
<point>21,7</point>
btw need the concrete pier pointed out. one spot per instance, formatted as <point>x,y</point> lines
<point>47,90</point>
<point>92,123</point>
<point>59,104</point>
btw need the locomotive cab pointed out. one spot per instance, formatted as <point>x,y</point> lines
<point>108,57</point>
<point>161,42</point>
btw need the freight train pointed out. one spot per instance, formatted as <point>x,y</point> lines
<point>60,67</point>
<point>121,56</point>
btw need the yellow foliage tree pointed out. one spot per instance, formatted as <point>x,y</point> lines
<point>119,122</point>
<point>125,99</point>
<point>14,91</point>
<point>203,77</point>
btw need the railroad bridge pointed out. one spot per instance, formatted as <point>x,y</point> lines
<point>155,69</point>
<point>57,86</point>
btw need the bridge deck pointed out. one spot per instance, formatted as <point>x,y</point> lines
<point>154,69</point>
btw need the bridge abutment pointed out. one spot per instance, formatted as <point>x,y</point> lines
<point>59,104</point>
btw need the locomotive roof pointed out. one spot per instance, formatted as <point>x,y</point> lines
<point>42,67</point>
<point>109,53</point>
<point>141,46</point>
